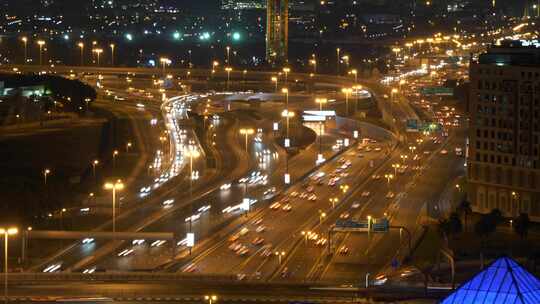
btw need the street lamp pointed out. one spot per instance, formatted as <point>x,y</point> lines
<point>164,62</point>
<point>46,172</point>
<point>306,234</point>
<point>287,116</point>
<point>275,81</point>
<point>41,43</point>
<point>81,46</point>
<point>286,71</point>
<point>246,133</point>
<point>128,145</point>
<point>210,298</point>
<point>191,153</point>
<point>344,188</point>
<point>393,92</point>
<point>98,54</point>
<point>279,255</point>
<point>228,48</point>
<point>7,232</point>
<point>388,177</point>
<point>347,92</point>
<point>228,69</point>
<point>337,59</point>
<point>395,166</point>
<point>321,102</point>
<point>114,155</point>
<point>333,201</point>
<point>112,53</point>
<point>25,42</point>
<point>322,215</point>
<point>94,164</point>
<point>314,63</point>
<point>404,158</point>
<point>355,73</point>
<point>118,185</point>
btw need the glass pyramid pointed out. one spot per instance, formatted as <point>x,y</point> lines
<point>504,281</point>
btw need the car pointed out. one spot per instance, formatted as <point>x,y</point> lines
<point>287,207</point>
<point>243,251</point>
<point>275,206</point>
<point>260,229</point>
<point>375,176</point>
<point>240,276</point>
<point>258,221</point>
<point>355,205</point>
<point>303,195</point>
<point>243,231</point>
<point>365,193</point>
<point>343,250</point>
<point>321,242</point>
<point>378,149</point>
<point>444,152</point>
<point>190,268</point>
<point>310,189</point>
<point>233,245</point>
<point>266,252</point>
<point>294,194</point>
<point>234,238</point>
<point>257,241</point>
<point>312,197</point>
<point>360,155</point>
<point>344,215</point>
<point>390,194</point>
<point>427,152</point>
<point>368,149</point>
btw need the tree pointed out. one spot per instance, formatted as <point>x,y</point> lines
<point>522,225</point>
<point>464,209</point>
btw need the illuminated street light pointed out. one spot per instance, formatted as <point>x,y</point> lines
<point>114,155</point>
<point>25,42</point>
<point>128,146</point>
<point>228,48</point>
<point>338,50</point>
<point>94,164</point>
<point>321,102</point>
<point>395,166</point>
<point>314,63</point>
<point>228,69</point>
<point>344,188</point>
<point>333,201</point>
<point>280,255</point>
<point>355,73</point>
<point>246,133</point>
<point>211,298</point>
<point>164,62</point>
<point>347,92</point>
<point>275,81</point>
<point>46,173</point>
<point>393,92</point>
<point>81,46</point>
<point>41,43</point>
<point>7,232</point>
<point>112,53</point>
<point>388,177</point>
<point>322,215</point>
<point>116,186</point>
<point>286,71</point>
<point>98,54</point>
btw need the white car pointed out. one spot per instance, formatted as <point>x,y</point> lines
<point>225,187</point>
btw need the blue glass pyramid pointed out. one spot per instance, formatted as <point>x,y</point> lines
<point>504,281</point>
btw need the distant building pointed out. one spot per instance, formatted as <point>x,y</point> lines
<point>242,4</point>
<point>277,31</point>
<point>504,149</point>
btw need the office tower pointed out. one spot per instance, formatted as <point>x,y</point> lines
<point>277,31</point>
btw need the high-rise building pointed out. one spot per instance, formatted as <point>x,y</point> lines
<point>277,31</point>
<point>504,148</point>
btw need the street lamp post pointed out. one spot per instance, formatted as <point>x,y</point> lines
<point>333,201</point>
<point>164,62</point>
<point>211,298</point>
<point>280,255</point>
<point>275,81</point>
<point>94,164</point>
<point>128,145</point>
<point>98,54</point>
<point>322,215</point>
<point>7,232</point>
<point>286,71</point>
<point>338,50</point>
<point>321,102</point>
<point>388,177</point>
<point>191,153</point>
<point>41,43</point>
<point>25,42</point>
<point>228,69</point>
<point>395,166</point>
<point>46,173</point>
<point>246,133</point>
<point>347,92</point>
<point>114,155</point>
<point>228,48</point>
<point>287,116</point>
<point>81,46</point>
<point>314,63</point>
<point>118,185</point>
<point>112,53</point>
